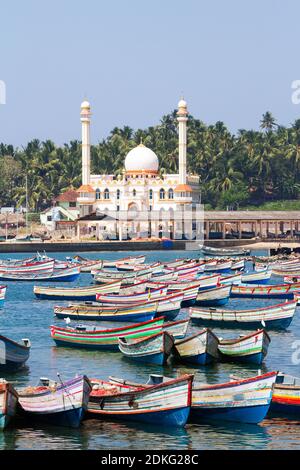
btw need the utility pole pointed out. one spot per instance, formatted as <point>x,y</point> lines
<point>26,206</point>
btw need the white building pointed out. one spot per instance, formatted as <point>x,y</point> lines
<point>141,189</point>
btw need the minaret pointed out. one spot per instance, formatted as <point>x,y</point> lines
<point>86,151</point>
<point>182,120</point>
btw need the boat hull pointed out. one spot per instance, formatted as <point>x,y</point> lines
<point>8,404</point>
<point>241,400</point>
<point>280,324</point>
<point>132,317</point>
<point>199,349</point>
<point>247,414</point>
<point>104,339</point>
<point>12,355</point>
<point>166,404</point>
<point>70,418</point>
<point>177,417</point>
<point>154,349</point>
<point>62,405</point>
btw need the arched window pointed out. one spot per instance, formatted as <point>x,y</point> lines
<point>106,194</point>
<point>98,193</point>
<point>151,194</point>
<point>162,193</point>
<point>171,193</point>
<point>118,194</point>
<point>134,192</point>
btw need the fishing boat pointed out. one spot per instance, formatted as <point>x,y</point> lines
<point>215,267</point>
<point>278,291</point>
<point>209,250</point>
<point>82,336</point>
<point>59,403</point>
<point>104,339</point>
<point>216,296</point>
<point>126,278</point>
<point>61,275</point>
<point>2,295</point>
<point>155,268</point>
<point>261,277</point>
<point>272,317</point>
<point>177,328</point>
<point>154,349</point>
<point>166,305</point>
<point>37,266</point>
<point>166,403</point>
<point>133,260</point>
<point>129,299</point>
<point>189,294</point>
<point>86,265</point>
<point>291,279</point>
<point>231,279</point>
<point>203,283</point>
<point>164,277</point>
<point>286,396</point>
<point>75,293</point>
<point>178,262</point>
<point>8,403</point>
<point>250,348</point>
<point>138,312</point>
<point>188,269</point>
<point>200,348</point>
<point>244,400</point>
<point>238,265</point>
<point>13,355</point>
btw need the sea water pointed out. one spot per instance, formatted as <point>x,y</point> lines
<point>24,316</point>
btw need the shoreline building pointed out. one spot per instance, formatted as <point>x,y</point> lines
<point>141,202</point>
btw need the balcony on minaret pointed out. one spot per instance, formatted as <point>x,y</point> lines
<point>183,194</point>
<point>87,195</point>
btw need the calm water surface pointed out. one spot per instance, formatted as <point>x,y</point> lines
<point>24,316</point>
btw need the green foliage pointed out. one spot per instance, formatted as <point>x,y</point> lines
<point>250,168</point>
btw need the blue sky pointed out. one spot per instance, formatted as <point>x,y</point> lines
<point>132,59</point>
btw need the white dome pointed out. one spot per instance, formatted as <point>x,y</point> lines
<point>182,104</point>
<point>141,158</point>
<point>85,104</point>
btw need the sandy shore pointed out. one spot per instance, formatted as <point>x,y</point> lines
<point>268,245</point>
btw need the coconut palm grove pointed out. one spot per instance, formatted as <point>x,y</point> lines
<point>252,168</point>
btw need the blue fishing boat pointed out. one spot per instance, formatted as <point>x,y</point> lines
<point>13,355</point>
<point>200,348</point>
<point>83,293</point>
<point>260,277</point>
<point>249,349</point>
<point>61,404</point>
<point>162,401</point>
<point>8,403</point>
<point>277,316</point>
<point>216,296</point>
<point>257,291</point>
<point>154,349</point>
<point>59,275</point>
<point>286,396</point>
<point>242,400</point>
<point>138,312</point>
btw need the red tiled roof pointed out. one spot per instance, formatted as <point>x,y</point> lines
<point>68,196</point>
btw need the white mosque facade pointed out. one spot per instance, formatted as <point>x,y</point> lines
<point>141,189</point>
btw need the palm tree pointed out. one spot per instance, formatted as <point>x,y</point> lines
<point>268,122</point>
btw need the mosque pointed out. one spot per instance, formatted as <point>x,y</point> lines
<point>141,200</point>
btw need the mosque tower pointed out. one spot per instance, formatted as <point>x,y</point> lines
<point>86,147</point>
<point>182,120</point>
